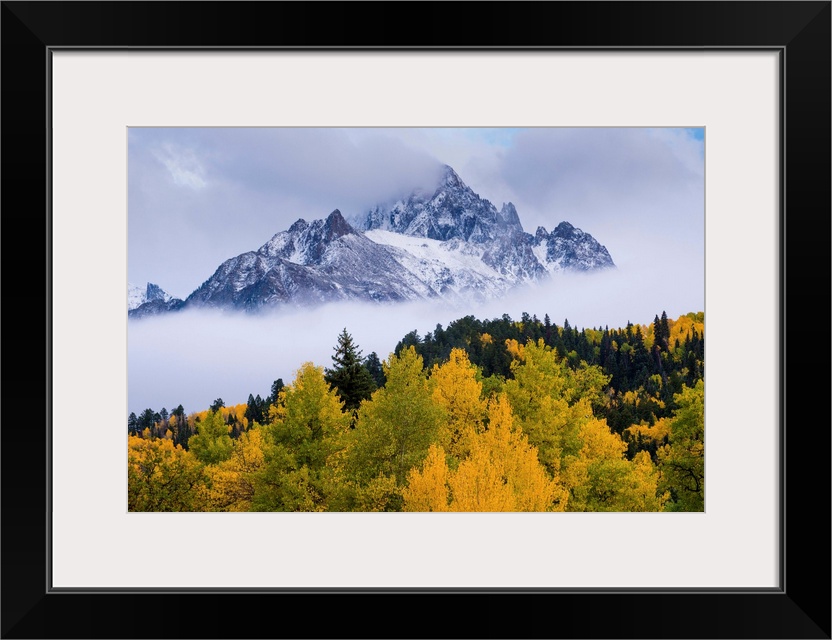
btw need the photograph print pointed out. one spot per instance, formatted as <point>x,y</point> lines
<point>416,320</point>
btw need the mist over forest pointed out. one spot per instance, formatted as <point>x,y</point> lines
<point>194,357</point>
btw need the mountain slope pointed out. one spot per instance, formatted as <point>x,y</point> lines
<point>322,261</point>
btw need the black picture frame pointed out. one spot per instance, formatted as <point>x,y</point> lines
<point>800,608</point>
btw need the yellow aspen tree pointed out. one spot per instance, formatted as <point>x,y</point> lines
<point>682,461</point>
<point>505,460</point>
<point>380,494</point>
<point>397,425</point>
<point>641,491</point>
<point>310,419</point>
<point>588,383</point>
<point>501,473</point>
<point>600,478</point>
<point>211,444</point>
<point>162,477</point>
<point>537,394</point>
<point>427,489</point>
<point>683,327</point>
<point>457,390</point>
<point>644,433</point>
<point>534,489</point>
<point>307,432</point>
<point>479,485</point>
<point>230,484</point>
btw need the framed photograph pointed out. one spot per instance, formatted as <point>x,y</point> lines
<point>171,145</point>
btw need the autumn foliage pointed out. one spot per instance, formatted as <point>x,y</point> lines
<point>444,437</point>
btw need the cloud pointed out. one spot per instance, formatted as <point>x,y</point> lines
<point>182,164</point>
<point>594,173</point>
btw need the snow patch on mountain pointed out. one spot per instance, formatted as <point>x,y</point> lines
<point>135,296</point>
<point>452,269</point>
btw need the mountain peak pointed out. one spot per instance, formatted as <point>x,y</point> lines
<point>568,247</point>
<point>149,300</point>
<point>305,242</point>
<point>450,178</point>
<point>509,217</point>
<point>299,225</point>
<point>452,211</point>
<point>336,226</point>
<point>155,292</point>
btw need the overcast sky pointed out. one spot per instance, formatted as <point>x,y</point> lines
<point>200,196</point>
<point>211,194</point>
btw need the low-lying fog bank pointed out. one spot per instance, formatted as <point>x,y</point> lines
<point>192,358</point>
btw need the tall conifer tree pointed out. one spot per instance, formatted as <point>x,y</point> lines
<point>349,377</point>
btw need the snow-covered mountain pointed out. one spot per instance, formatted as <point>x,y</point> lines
<point>443,242</point>
<point>451,211</point>
<point>570,249</point>
<point>454,214</point>
<point>137,296</point>
<point>312,262</point>
<point>149,300</point>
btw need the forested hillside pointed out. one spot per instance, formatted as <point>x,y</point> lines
<point>483,415</point>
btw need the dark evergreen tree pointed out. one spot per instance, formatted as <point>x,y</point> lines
<point>547,329</point>
<point>217,405</point>
<point>568,341</point>
<point>182,432</point>
<point>665,325</point>
<point>373,365</point>
<point>661,332</point>
<point>132,424</point>
<point>277,387</point>
<point>255,410</point>
<point>182,429</point>
<point>412,339</point>
<point>349,377</point>
<point>657,332</point>
<point>147,419</point>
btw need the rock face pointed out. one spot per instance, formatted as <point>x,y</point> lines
<point>446,242</point>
